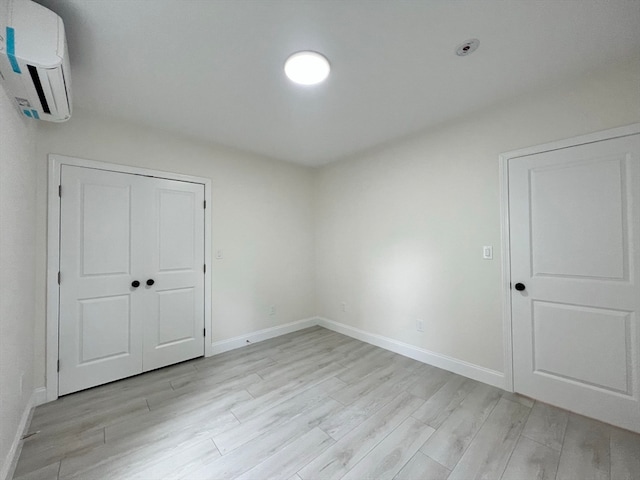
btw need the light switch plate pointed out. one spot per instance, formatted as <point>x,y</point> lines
<point>487,252</point>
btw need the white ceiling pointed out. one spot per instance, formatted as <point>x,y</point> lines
<point>213,69</point>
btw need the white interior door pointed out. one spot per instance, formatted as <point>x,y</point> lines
<point>100,338</point>
<point>575,248</point>
<point>174,324</point>
<point>117,229</point>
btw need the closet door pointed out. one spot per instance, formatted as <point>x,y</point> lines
<point>132,279</point>
<point>174,255</point>
<point>100,334</point>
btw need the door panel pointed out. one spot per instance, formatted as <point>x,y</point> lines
<point>575,245</point>
<point>99,339</point>
<point>174,327</point>
<point>577,213</point>
<point>117,228</point>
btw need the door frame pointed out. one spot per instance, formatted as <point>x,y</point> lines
<point>505,243</point>
<point>55,163</point>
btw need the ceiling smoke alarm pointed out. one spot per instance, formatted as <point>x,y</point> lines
<point>467,47</point>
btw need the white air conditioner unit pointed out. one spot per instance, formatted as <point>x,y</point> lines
<point>34,63</point>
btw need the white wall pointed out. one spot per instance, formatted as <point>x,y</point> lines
<point>17,272</point>
<point>262,219</point>
<point>400,230</point>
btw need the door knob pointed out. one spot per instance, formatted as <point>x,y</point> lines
<point>520,287</point>
<point>135,284</point>
<point>150,282</point>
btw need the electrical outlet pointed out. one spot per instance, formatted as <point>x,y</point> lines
<point>420,325</point>
<point>487,252</point>
<point>272,310</point>
<point>343,306</point>
<point>219,254</point>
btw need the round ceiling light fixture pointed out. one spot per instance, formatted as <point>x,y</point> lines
<point>307,68</point>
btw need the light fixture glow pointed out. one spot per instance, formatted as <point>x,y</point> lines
<point>307,68</point>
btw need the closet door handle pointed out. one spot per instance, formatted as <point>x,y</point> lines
<point>135,284</point>
<point>150,282</point>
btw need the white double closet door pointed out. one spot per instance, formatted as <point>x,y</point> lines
<point>117,229</point>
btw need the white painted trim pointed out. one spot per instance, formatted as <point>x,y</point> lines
<point>53,252</point>
<point>466,369</point>
<point>39,396</point>
<point>260,335</point>
<point>507,339</point>
<point>8,468</point>
<point>617,132</point>
<point>504,159</point>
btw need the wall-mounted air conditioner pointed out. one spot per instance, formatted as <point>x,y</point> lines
<point>34,63</point>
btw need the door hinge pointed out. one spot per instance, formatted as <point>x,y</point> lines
<point>204,332</point>
<point>60,191</point>
<point>58,365</point>
<point>59,277</point>
<point>204,268</point>
<point>205,204</point>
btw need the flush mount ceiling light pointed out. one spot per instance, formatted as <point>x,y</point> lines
<point>307,68</point>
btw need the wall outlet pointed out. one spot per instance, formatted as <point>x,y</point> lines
<point>487,252</point>
<point>219,254</point>
<point>272,310</point>
<point>343,306</point>
<point>420,325</point>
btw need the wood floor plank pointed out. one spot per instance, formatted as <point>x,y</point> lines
<point>178,462</point>
<point>521,399</point>
<point>389,376</point>
<point>532,461</point>
<point>167,420</point>
<point>275,416</point>
<point>432,380</point>
<point>36,454</point>
<point>287,461</point>
<point>391,454</point>
<point>546,425</point>
<point>277,393</point>
<point>421,467</point>
<point>489,452</point>
<point>87,416</point>
<point>625,455</point>
<point>585,451</point>
<point>49,472</point>
<point>363,407</point>
<point>440,405</point>
<point>353,447</point>
<point>202,392</point>
<point>256,451</point>
<point>450,441</point>
<point>123,458</point>
<point>367,364</point>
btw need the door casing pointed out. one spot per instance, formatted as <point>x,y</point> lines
<point>507,319</point>
<point>53,253</point>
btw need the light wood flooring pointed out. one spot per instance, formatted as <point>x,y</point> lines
<point>316,405</point>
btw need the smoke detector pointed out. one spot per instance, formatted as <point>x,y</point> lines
<point>467,47</point>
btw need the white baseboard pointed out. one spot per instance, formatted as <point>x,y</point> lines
<point>39,396</point>
<point>260,335</point>
<point>6,473</point>
<point>466,369</point>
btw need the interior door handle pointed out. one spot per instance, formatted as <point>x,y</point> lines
<point>150,282</point>
<point>135,284</point>
<point>520,286</point>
